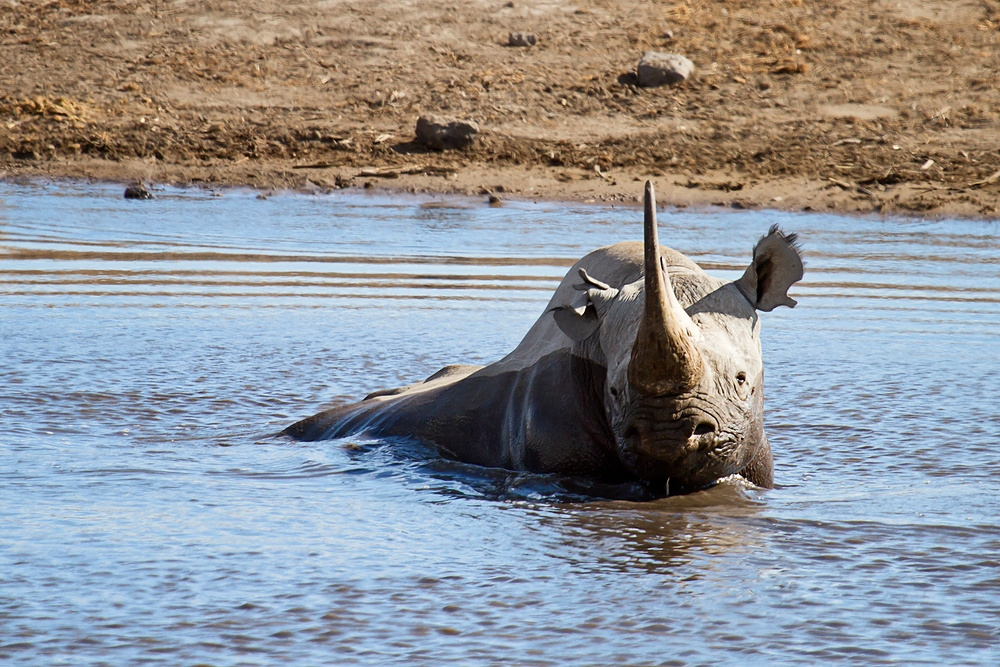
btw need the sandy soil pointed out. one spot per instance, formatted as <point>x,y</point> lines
<point>851,105</point>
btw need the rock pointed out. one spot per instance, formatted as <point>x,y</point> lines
<point>138,191</point>
<point>522,39</point>
<point>438,132</point>
<point>658,69</point>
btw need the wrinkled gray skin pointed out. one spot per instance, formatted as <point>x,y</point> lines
<point>643,368</point>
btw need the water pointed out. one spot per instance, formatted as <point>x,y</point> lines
<point>150,349</point>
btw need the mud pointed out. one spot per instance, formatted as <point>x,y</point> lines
<point>846,105</point>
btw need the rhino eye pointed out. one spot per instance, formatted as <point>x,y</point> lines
<point>741,378</point>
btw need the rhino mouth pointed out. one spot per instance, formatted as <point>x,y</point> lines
<point>682,443</point>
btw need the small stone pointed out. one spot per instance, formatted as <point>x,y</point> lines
<point>138,191</point>
<point>522,39</point>
<point>658,69</point>
<point>494,200</point>
<point>438,132</point>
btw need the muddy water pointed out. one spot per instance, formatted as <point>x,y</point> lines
<point>149,349</point>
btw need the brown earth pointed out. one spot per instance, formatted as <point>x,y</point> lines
<point>850,105</point>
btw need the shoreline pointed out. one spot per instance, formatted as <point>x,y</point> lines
<point>496,185</point>
<point>849,106</point>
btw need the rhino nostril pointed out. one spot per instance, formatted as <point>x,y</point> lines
<point>704,427</point>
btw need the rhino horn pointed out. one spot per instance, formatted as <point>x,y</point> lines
<point>664,357</point>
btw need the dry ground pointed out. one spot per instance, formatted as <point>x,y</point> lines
<point>851,105</point>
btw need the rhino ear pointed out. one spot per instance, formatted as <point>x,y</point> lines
<point>578,318</point>
<point>776,266</point>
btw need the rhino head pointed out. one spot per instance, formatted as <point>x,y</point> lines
<point>684,384</point>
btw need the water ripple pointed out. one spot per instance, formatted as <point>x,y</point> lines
<point>150,351</point>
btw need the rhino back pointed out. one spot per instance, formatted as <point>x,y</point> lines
<point>548,417</point>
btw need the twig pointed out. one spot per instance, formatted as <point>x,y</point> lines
<point>986,181</point>
<point>844,185</point>
<point>315,165</point>
<point>393,172</point>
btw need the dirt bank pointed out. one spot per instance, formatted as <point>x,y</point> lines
<point>850,105</point>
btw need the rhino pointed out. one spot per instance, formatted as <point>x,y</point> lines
<point>642,369</point>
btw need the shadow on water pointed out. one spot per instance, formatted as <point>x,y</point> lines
<point>661,536</point>
<point>592,527</point>
<point>457,480</point>
<point>598,528</point>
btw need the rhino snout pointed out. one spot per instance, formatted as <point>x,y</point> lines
<point>683,424</point>
<point>686,445</point>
